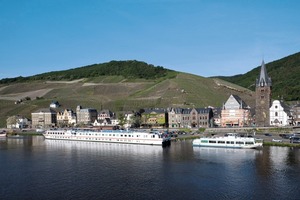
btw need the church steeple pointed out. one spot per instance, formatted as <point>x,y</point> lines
<point>263,95</point>
<point>264,80</point>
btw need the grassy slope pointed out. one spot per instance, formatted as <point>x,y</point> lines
<point>284,72</point>
<point>117,93</point>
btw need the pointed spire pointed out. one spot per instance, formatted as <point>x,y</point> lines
<point>264,79</point>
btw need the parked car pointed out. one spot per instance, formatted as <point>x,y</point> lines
<point>285,136</point>
<point>274,140</point>
<point>295,140</point>
<point>268,134</point>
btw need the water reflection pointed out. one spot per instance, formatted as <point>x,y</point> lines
<point>103,149</point>
<point>92,170</point>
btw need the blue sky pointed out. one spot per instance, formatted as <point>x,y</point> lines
<point>202,37</point>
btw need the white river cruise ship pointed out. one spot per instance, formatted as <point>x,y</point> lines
<point>114,136</point>
<point>232,140</point>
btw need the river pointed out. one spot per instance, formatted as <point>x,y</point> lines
<point>34,168</point>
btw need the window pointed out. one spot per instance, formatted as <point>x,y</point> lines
<point>276,114</point>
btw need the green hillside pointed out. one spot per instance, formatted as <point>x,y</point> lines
<point>130,69</point>
<point>117,92</point>
<point>284,73</point>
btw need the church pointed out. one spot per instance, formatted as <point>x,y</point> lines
<point>263,92</point>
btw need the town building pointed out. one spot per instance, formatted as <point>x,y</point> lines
<point>217,116</point>
<point>18,122</point>
<point>190,117</point>
<point>54,104</point>
<point>128,119</point>
<point>235,113</point>
<point>66,117</point>
<point>155,118</point>
<point>175,117</point>
<point>296,114</point>
<point>103,122</point>
<point>44,118</point>
<point>85,116</point>
<point>263,98</point>
<point>280,114</point>
<point>104,114</point>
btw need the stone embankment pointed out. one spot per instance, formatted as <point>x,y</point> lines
<point>270,135</point>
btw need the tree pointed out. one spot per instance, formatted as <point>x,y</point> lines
<point>121,119</point>
<point>12,120</point>
<point>136,120</point>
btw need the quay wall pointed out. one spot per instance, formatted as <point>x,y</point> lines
<point>251,130</point>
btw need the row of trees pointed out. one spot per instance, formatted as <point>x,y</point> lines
<point>128,69</point>
<point>284,74</point>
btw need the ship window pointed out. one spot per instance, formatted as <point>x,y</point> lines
<point>232,142</point>
<point>228,142</point>
<point>239,142</point>
<point>211,141</point>
<point>204,141</point>
<point>221,142</point>
<point>249,143</point>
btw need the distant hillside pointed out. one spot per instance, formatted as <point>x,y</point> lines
<point>285,75</point>
<point>118,93</point>
<point>131,69</point>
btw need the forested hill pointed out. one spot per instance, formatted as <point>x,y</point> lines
<point>128,69</point>
<point>284,73</point>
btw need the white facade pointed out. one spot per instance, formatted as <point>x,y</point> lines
<point>54,104</point>
<point>278,116</point>
<point>20,122</point>
<point>128,120</point>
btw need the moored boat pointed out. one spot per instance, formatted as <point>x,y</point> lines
<point>231,140</point>
<point>3,134</point>
<point>114,136</point>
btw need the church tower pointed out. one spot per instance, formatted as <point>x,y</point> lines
<point>263,98</point>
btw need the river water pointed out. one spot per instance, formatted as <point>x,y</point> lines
<point>34,168</point>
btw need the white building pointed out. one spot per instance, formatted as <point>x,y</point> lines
<point>128,119</point>
<point>54,104</point>
<point>279,114</point>
<point>18,122</point>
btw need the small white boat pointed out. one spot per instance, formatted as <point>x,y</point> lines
<point>109,136</point>
<point>3,134</point>
<point>232,140</point>
<point>40,130</point>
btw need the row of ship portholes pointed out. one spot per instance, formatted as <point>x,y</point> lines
<point>100,139</point>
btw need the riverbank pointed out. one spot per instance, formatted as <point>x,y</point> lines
<point>268,140</point>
